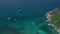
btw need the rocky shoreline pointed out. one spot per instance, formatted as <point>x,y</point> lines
<point>48,16</point>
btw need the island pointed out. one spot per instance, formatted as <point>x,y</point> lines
<point>53,19</point>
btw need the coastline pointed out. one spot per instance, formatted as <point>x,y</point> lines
<point>48,16</point>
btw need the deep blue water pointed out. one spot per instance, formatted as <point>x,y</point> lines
<point>8,8</point>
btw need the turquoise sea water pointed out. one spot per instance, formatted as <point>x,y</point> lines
<point>30,21</point>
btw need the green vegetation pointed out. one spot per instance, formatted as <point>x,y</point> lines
<point>55,18</point>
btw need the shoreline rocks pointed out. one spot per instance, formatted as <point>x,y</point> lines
<point>48,16</point>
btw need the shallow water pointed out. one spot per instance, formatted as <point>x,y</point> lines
<point>30,21</point>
